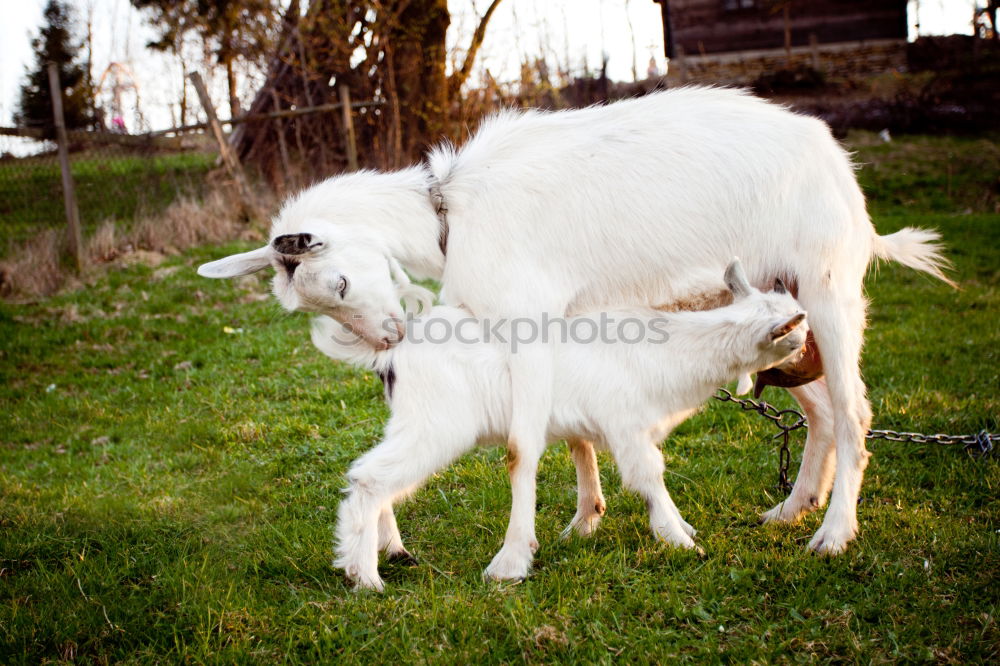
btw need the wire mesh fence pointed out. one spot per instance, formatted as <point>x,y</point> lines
<point>123,178</point>
<point>117,177</point>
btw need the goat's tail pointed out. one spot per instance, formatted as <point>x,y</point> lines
<point>332,339</point>
<point>919,249</point>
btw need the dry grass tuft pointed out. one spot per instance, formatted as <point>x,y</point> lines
<point>36,268</point>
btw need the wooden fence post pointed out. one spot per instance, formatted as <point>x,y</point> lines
<point>788,35</point>
<point>229,157</point>
<point>682,63</point>
<point>814,51</point>
<point>69,193</point>
<point>349,139</point>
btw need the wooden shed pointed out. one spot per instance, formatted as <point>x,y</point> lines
<point>703,33</point>
<point>720,26</point>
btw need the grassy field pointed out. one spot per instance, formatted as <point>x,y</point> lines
<point>109,185</point>
<point>172,451</point>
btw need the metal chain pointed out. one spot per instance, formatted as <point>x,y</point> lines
<point>789,420</point>
<point>786,420</point>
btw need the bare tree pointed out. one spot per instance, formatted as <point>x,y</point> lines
<point>393,51</point>
<point>234,29</point>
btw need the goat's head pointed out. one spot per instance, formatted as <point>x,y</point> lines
<point>777,323</point>
<point>353,280</point>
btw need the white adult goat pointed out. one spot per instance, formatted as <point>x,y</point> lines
<point>636,203</point>
<point>625,392</point>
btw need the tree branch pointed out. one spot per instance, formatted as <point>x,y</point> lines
<point>459,77</point>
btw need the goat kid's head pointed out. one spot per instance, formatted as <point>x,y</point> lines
<point>777,321</point>
<point>352,280</point>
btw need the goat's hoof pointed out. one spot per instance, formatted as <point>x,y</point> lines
<point>362,577</point>
<point>402,558</point>
<point>509,564</point>
<point>830,541</point>
<point>674,538</point>
<point>584,526</point>
<point>788,511</point>
<point>690,531</point>
<point>366,583</point>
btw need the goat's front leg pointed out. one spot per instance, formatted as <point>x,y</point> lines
<point>514,559</point>
<point>590,505</point>
<point>531,387</point>
<point>392,469</point>
<point>358,534</point>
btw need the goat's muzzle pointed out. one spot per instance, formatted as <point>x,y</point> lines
<point>806,367</point>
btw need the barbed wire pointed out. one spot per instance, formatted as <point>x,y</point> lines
<point>789,420</point>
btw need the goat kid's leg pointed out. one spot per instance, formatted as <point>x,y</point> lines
<point>815,477</point>
<point>531,399</point>
<point>364,519</point>
<point>357,537</point>
<point>838,321</point>
<point>640,463</point>
<point>590,505</point>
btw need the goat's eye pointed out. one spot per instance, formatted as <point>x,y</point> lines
<point>342,286</point>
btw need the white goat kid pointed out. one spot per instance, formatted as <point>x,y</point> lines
<point>634,203</point>
<point>626,395</point>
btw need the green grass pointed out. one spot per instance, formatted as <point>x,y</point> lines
<point>109,184</point>
<point>168,491</point>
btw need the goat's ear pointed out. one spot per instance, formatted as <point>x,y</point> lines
<point>296,243</point>
<point>779,286</point>
<point>781,330</point>
<point>736,279</point>
<point>237,264</point>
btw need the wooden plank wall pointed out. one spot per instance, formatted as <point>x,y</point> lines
<point>706,26</point>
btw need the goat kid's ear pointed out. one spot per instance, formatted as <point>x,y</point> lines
<point>782,330</point>
<point>237,264</point>
<point>295,243</point>
<point>736,279</point>
<point>779,286</point>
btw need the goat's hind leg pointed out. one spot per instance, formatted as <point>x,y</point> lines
<point>389,539</point>
<point>815,477</point>
<point>590,504</point>
<point>837,317</point>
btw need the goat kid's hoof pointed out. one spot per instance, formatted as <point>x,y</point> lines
<point>674,538</point>
<point>402,558</point>
<point>831,542</point>
<point>360,580</point>
<point>509,565</point>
